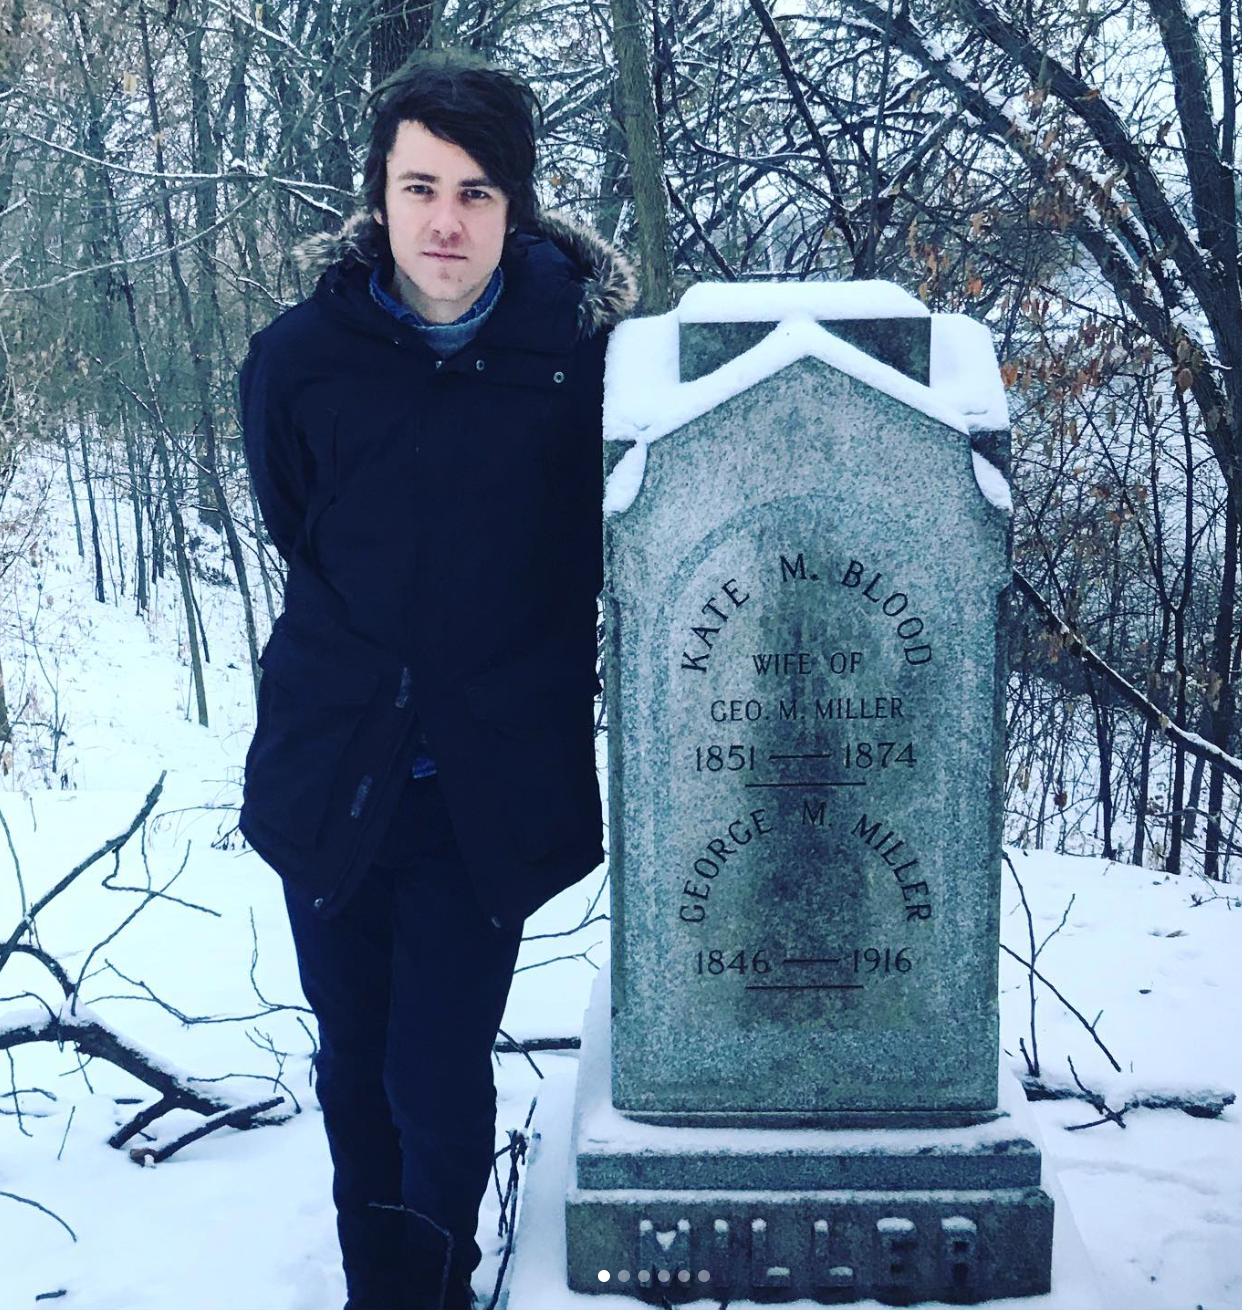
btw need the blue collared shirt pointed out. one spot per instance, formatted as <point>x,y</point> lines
<point>444,339</point>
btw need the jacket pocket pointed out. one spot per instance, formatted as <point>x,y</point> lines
<point>311,709</point>
<point>534,742</point>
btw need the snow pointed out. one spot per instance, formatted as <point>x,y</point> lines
<point>768,302</point>
<point>244,1220</point>
<point>644,398</point>
<point>991,482</point>
<point>963,372</point>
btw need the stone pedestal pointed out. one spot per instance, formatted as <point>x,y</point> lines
<point>896,1214</point>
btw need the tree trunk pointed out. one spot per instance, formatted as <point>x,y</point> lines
<point>1222,669</point>
<point>122,279</point>
<point>141,593</point>
<point>73,493</point>
<point>643,151</point>
<point>90,503</point>
<point>209,485</point>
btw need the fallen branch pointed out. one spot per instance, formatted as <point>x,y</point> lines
<point>241,1116</point>
<point>1199,1103</point>
<point>92,1037</point>
<point>508,1046</point>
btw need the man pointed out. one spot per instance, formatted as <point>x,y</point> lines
<point>423,435</point>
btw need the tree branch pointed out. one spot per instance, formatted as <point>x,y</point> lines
<point>1190,742</point>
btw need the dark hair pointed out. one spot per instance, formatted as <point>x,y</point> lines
<point>460,97</point>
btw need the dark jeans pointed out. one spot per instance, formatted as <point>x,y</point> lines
<point>409,984</point>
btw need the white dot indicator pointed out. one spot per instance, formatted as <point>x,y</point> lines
<point>683,1275</point>
<point>704,1276</point>
<point>604,1275</point>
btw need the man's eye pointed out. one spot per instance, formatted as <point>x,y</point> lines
<point>474,193</point>
<point>419,188</point>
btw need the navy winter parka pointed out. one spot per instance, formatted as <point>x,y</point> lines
<point>441,523</point>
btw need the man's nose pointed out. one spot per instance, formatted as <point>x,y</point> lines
<point>446,218</point>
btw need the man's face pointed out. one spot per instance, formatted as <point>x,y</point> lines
<point>446,224</point>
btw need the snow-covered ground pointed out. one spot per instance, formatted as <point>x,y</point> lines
<point>243,1220</point>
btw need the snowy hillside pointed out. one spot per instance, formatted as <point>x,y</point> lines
<point>243,1220</point>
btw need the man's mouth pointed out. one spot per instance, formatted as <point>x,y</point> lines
<point>441,254</point>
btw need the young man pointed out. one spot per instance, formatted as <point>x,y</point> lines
<point>423,436</point>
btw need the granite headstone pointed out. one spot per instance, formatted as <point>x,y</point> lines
<point>807,560</point>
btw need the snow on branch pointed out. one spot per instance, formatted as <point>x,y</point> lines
<point>1190,742</point>
<point>1161,278</point>
<point>93,1036</point>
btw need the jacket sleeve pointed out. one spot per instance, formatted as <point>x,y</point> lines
<point>274,452</point>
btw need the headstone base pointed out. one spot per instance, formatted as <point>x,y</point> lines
<point>895,1214</point>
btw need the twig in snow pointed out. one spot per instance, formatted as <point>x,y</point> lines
<point>517,1046</point>
<point>568,932</point>
<point>276,1082</point>
<point>1057,929</point>
<point>1077,1013</point>
<point>112,844</point>
<point>187,1019</point>
<point>272,1006</point>
<point>65,1138</point>
<point>125,922</point>
<point>28,1091</point>
<point>310,1037</point>
<point>238,1117</point>
<point>1097,1101</point>
<point>158,895</point>
<point>25,1200</point>
<point>556,959</point>
<point>17,864</point>
<point>506,1227</point>
<point>1032,1059</point>
<point>1033,973</point>
<point>17,1105</point>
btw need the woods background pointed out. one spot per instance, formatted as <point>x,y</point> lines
<point>1063,171</point>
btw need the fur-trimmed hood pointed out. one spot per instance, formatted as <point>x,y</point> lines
<point>609,285</point>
